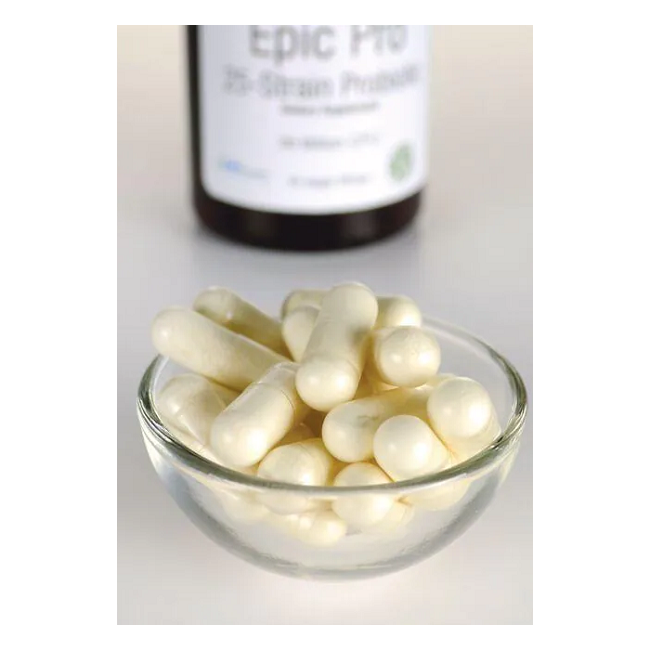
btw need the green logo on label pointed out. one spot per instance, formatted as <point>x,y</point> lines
<point>401,162</point>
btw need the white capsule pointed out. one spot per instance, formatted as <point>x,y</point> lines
<point>297,327</point>
<point>333,361</point>
<point>393,311</point>
<point>301,463</point>
<point>259,418</point>
<point>226,394</point>
<point>194,341</point>
<point>405,356</point>
<point>226,308</point>
<point>398,311</point>
<point>406,447</point>
<point>316,528</point>
<point>301,297</point>
<point>364,510</point>
<point>206,452</point>
<point>396,519</point>
<point>349,429</point>
<point>192,403</point>
<point>462,415</point>
<point>188,405</point>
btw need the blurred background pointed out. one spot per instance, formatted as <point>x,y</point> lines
<point>467,258</point>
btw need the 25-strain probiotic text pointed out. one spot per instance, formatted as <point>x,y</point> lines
<point>308,137</point>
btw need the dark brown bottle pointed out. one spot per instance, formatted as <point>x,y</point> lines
<point>308,137</point>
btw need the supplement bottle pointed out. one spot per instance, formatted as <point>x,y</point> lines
<point>308,136</point>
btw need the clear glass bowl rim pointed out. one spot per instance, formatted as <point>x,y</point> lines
<point>470,468</point>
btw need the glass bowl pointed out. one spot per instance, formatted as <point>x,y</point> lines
<point>291,529</point>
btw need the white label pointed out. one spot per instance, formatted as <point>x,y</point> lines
<point>313,119</point>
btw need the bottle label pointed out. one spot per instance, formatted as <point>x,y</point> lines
<point>313,119</point>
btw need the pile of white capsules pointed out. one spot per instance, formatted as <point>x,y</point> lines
<point>343,390</point>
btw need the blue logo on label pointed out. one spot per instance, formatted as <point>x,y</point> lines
<point>235,167</point>
<point>231,165</point>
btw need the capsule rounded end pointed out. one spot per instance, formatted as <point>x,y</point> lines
<point>460,408</point>
<point>406,356</point>
<point>348,443</point>
<point>240,442</point>
<point>325,383</point>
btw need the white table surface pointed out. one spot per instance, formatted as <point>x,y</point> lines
<point>468,260</point>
